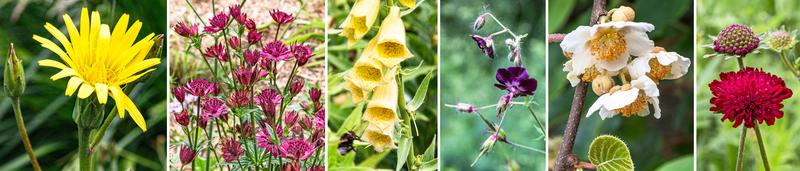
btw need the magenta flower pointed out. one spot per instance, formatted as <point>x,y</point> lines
<point>264,141</point>
<point>217,23</point>
<point>202,120</point>
<point>485,44</point>
<point>296,149</point>
<point>290,118</point>
<point>251,57</point>
<point>293,166</point>
<point>268,100</point>
<point>276,51</point>
<point>315,94</point>
<point>231,149</point>
<point>217,52</point>
<point>281,17</point>
<point>250,25</point>
<point>215,108</point>
<point>302,54</point>
<point>516,81</point>
<point>179,93</point>
<point>319,119</point>
<point>199,87</point>
<point>185,30</point>
<point>187,155</point>
<point>749,95</point>
<point>182,118</point>
<point>239,98</point>
<point>245,130</point>
<point>235,10</point>
<point>316,168</point>
<point>245,76</point>
<point>736,40</point>
<point>253,37</point>
<point>235,43</point>
<point>297,86</point>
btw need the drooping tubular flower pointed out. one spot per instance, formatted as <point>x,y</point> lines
<point>486,44</point>
<point>379,137</point>
<point>381,108</point>
<point>749,96</point>
<point>606,46</point>
<point>516,81</point>
<point>360,20</point>
<point>367,72</point>
<point>628,100</point>
<point>659,65</point>
<point>99,60</point>
<point>356,92</point>
<point>736,39</point>
<point>391,39</point>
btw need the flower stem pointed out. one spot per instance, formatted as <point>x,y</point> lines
<point>740,156</point>
<point>23,133</point>
<point>85,156</point>
<point>789,65</point>
<point>102,131</point>
<point>565,149</point>
<point>740,60</point>
<point>761,148</point>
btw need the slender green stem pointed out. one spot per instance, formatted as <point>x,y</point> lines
<point>85,156</point>
<point>539,123</point>
<point>761,148</point>
<point>198,17</point>
<point>102,131</point>
<point>208,146</point>
<point>790,66</point>
<point>740,155</point>
<point>23,133</point>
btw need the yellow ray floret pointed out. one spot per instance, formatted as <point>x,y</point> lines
<point>391,39</point>
<point>99,60</point>
<point>382,107</point>
<point>359,20</point>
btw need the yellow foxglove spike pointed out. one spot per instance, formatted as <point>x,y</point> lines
<point>391,39</point>
<point>383,106</point>
<point>379,137</point>
<point>355,91</point>
<point>367,73</point>
<point>361,18</point>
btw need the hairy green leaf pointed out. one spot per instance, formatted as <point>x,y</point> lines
<point>610,153</point>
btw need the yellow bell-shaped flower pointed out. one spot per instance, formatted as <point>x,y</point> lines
<point>361,18</point>
<point>367,72</point>
<point>379,136</point>
<point>355,91</point>
<point>391,39</point>
<point>382,107</point>
<point>409,3</point>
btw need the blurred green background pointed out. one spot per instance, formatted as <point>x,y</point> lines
<point>468,76</point>
<point>718,141</point>
<point>48,113</point>
<point>421,35</point>
<point>652,142</point>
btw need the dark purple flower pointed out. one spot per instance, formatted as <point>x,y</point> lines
<point>245,76</point>
<point>235,43</point>
<point>217,23</point>
<point>187,155</point>
<point>276,51</point>
<point>302,54</point>
<point>214,107</point>
<point>253,37</point>
<point>185,30</point>
<point>486,45</point>
<point>251,57</point>
<point>199,87</point>
<point>315,94</point>
<point>281,17</point>
<point>217,52</point>
<point>231,149</point>
<point>239,98</point>
<point>296,149</point>
<point>297,86</point>
<point>179,93</point>
<point>516,81</point>
<point>182,118</point>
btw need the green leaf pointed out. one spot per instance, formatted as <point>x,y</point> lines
<point>682,163</point>
<point>610,153</point>
<point>352,121</point>
<point>430,153</point>
<point>429,165</point>
<point>402,151</point>
<point>419,96</point>
<point>373,160</point>
<point>560,14</point>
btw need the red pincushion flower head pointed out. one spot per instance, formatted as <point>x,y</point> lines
<point>736,40</point>
<point>749,95</point>
<point>276,51</point>
<point>281,17</point>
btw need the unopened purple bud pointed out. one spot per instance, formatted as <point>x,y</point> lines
<point>502,104</point>
<point>187,155</point>
<point>466,108</point>
<point>478,24</point>
<point>296,86</point>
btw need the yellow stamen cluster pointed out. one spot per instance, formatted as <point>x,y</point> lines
<point>658,71</point>
<point>590,74</point>
<point>608,44</point>
<point>635,107</point>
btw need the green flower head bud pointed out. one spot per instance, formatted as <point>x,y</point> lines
<point>14,74</point>
<point>781,40</point>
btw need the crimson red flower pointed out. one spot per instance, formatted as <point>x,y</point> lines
<point>185,30</point>
<point>749,95</point>
<point>253,36</point>
<point>296,149</point>
<point>276,51</point>
<point>187,155</point>
<point>302,53</point>
<point>297,86</point>
<point>235,43</point>
<point>215,108</point>
<point>281,17</point>
<point>239,98</point>
<point>251,57</point>
<point>218,52</point>
<point>217,23</point>
<point>245,76</point>
<point>231,150</point>
<point>199,87</point>
<point>179,93</point>
<point>182,118</point>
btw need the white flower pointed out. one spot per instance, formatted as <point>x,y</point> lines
<point>606,46</point>
<point>659,66</point>
<point>630,99</point>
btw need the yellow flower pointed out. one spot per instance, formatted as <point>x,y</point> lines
<point>392,39</point>
<point>101,61</point>
<point>382,106</point>
<point>379,136</point>
<point>409,3</point>
<point>360,20</point>
<point>355,91</point>
<point>367,72</point>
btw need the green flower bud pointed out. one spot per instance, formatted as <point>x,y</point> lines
<point>14,74</point>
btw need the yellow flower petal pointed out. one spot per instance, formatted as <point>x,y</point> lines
<point>102,92</point>
<point>382,107</point>
<point>60,37</point>
<point>53,47</point>
<point>85,91</point>
<point>409,3</point>
<point>379,136</point>
<point>72,85</point>
<point>139,66</point>
<point>63,73</point>
<point>136,77</point>
<point>123,102</point>
<point>391,39</point>
<point>52,63</point>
